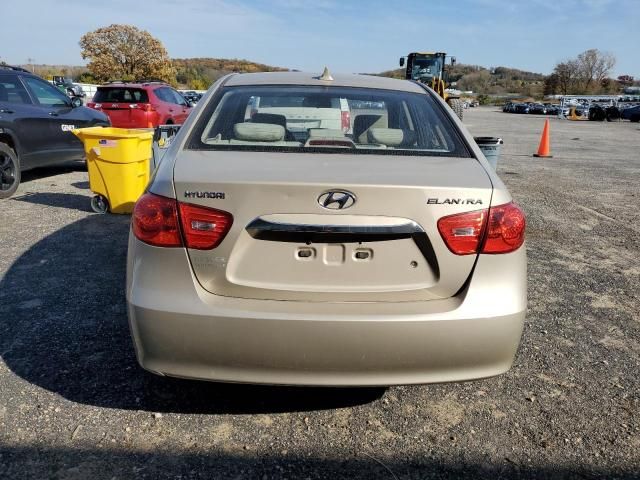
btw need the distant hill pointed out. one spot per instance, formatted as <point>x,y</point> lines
<point>481,80</point>
<point>192,73</point>
<point>199,73</point>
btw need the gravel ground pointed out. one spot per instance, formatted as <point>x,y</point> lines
<point>75,405</point>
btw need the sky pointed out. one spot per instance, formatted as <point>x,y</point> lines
<point>348,36</point>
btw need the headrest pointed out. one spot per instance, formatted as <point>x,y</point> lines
<point>391,137</point>
<point>270,118</point>
<point>259,132</point>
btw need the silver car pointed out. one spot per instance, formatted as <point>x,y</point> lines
<point>313,244</point>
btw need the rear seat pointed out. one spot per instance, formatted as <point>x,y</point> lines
<point>250,133</point>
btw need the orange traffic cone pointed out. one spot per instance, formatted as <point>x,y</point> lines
<point>544,150</point>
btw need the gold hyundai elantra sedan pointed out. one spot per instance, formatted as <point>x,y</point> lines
<point>325,230</point>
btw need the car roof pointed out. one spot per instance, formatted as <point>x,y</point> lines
<point>10,69</point>
<point>312,79</point>
<point>116,84</point>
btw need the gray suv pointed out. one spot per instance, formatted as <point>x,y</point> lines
<point>36,120</point>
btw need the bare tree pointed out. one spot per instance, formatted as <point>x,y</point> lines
<point>567,73</point>
<point>586,73</point>
<point>594,66</point>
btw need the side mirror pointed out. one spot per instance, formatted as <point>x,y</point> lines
<point>402,61</point>
<point>453,61</point>
<point>76,102</point>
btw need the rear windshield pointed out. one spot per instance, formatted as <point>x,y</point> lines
<point>121,94</point>
<point>327,119</point>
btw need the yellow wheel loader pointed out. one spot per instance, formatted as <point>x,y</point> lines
<point>429,68</point>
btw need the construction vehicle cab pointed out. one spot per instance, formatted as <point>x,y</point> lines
<point>429,68</point>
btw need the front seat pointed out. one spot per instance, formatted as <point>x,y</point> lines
<point>362,123</point>
<point>4,95</point>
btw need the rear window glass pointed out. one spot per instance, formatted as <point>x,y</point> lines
<point>121,94</point>
<point>326,119</point>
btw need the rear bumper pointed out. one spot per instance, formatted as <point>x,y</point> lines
<point>181,330</point>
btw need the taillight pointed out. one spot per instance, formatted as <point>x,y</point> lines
<point>203,228</point>
<point>497,230</point>
<point>155,221</point>
<point>505,229</point>
<point>462,232</point>
<point>95,106</point>
<point>345,120</point>
<point>147,107</point>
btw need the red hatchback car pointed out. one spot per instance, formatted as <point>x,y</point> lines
<point>141,104</point>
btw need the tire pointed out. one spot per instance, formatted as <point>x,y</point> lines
<point>597,115</point>
<point>9,171</point>
<point>456,106</point>
<point>99,204</point>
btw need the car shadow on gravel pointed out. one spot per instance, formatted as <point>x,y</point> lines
<point>72,201</point>
<point>52,171</point>
<point>63,327</point>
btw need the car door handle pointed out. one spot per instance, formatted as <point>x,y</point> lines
<point>2,110</point>
<point>53,114</point>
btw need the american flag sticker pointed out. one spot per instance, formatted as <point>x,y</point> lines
<point>108,143</point>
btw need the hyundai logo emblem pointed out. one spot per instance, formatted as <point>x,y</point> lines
<point>336,199</point>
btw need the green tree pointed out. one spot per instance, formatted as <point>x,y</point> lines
<point>127,53</point>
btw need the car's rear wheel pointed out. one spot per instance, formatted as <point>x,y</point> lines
<point>9,171</point>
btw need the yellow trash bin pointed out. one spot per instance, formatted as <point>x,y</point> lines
<point>118,164</point>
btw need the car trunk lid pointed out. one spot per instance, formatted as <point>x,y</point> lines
<point>286,245</point>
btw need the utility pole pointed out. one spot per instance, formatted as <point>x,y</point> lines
<point>30,62</point>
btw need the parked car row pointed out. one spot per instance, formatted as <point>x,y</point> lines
<point>602,111</point>
<point>593,111</point>
<point>533,108</point>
